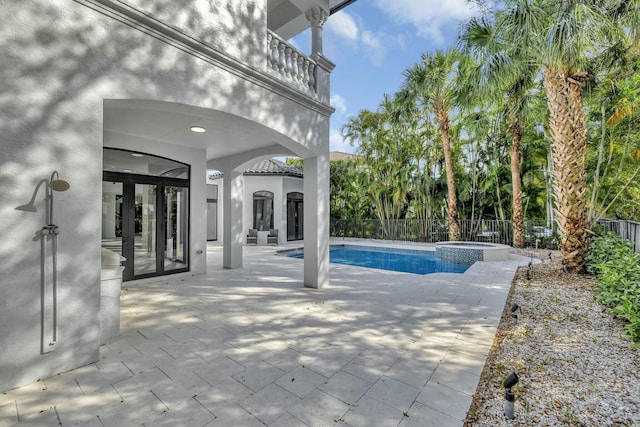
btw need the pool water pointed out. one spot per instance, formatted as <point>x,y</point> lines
<point>403,260</point>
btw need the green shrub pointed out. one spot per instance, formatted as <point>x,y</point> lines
<point>617,270</point>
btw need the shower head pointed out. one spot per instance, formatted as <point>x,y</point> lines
<point>59,185</point>
<point>31,206</point>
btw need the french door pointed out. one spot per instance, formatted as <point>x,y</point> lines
<point>146,220</point>
<point>295,216</point>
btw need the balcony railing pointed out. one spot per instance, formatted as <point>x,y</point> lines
<point>289,64</point>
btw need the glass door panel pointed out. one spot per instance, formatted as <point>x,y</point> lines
<point>176,201</point>
<point>295,216</point>
<point>145,237</point>
<point>112,216</point>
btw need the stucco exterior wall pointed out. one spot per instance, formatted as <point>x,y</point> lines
<point>61,61</point>
<point>236,27</point>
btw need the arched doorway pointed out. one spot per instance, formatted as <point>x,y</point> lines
<point>145,214</point>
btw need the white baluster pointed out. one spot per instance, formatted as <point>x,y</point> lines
<point>287,61</point>
<point>269,38</point>
<point>300,76</point>
<point>294,66</point>
<point>274,53</point>
<point>305,73</point>
<point>312,76</point>
<point>281,64</point>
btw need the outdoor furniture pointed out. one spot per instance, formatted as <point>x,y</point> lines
<point>272,238</point>
<point>252,237</point>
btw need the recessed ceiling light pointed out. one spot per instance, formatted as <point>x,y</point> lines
<point>198,129</point>
<point>137,155</point>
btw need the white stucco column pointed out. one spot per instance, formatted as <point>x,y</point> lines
<point>233,188</point>
<point>316,221</point>
<point>316,16</point>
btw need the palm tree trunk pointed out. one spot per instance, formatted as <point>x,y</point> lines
<point>516,185</point>
<point>442,117</point>
<point>566,120</point>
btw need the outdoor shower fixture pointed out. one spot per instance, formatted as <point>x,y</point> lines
<point>49,232</point>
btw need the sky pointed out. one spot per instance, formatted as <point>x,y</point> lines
<point>372,42</point>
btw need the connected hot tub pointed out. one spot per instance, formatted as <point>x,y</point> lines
<point>469,252</point>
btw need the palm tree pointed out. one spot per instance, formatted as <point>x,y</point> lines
<point>428,86</point>
<point>562,39</point>
<point>503,78</point>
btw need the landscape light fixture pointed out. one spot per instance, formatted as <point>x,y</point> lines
<point>514,316</point>
<point>509,396</point>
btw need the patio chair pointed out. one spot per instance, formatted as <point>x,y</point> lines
<point>252,237</point>
<point>272,238</point>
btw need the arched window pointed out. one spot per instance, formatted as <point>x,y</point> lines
<point>263,210</point>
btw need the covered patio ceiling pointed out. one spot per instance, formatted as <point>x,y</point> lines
<point>226,134</point>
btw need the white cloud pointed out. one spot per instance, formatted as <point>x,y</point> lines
<point>343,25</point>
<point>336,143</point>
<point>374,47</point>
<point>373,44</point>
<point>338,102</point>
<point>429,19</point>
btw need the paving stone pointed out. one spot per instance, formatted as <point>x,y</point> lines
<point>319,409</point>
<point>464,362</point>
<point>225,393</point>
<point>346,387</point>
<point>8,413</point>
<point>370,412</point>
<point>301,381</point>
<point>270,403</point>
<point>288,420</point>
<point>413,372</point>
<point>258,375</point>
<point>189,413</point>
<point>288,359</point>
<point>456,379</point>
<point>445,399</point>
<point>367,368</point>
<point>421,416</point>
<point>234,416</point>
<point>219,369</point>
<point>393,393</point>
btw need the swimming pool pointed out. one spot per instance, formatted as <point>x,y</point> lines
<point>393,259</point>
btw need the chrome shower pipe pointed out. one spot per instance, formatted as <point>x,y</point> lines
<point>51,231</point>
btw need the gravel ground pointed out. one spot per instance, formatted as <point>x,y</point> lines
<point>574,366</point>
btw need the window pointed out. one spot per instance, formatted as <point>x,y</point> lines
<point>263,210</point>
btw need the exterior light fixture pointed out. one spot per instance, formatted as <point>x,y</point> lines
<point>198,129</point>
<point>514,315</point>
<point>509,397</point>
